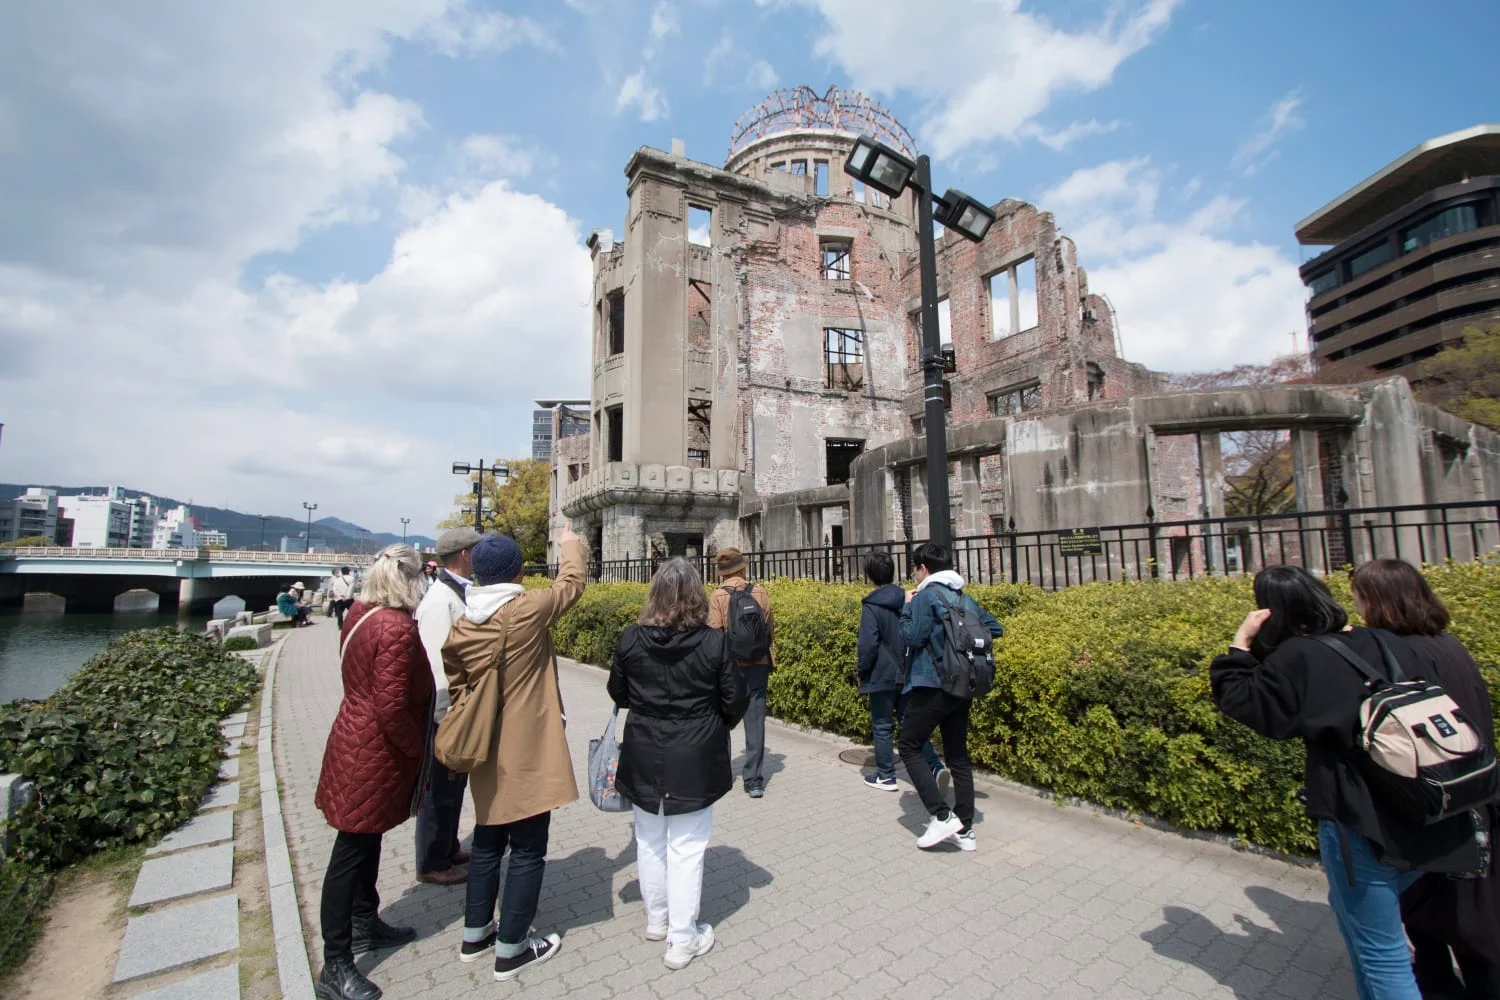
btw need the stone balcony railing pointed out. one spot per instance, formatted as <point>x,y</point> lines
<point>673,485</point>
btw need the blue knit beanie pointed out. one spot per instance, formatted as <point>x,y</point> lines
<point>497,559</point>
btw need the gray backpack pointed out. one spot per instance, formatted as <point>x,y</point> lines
<point>966,661</point>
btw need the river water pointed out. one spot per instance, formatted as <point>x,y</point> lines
<point>41,650</point>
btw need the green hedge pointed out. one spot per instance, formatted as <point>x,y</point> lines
<point>1101,691</point>
<point>24,889</point>
<point>125,751</point>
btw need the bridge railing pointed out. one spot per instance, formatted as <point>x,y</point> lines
<point>192,555</point>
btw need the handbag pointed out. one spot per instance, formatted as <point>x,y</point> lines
<point>604,765</point>
<point>467,732</point>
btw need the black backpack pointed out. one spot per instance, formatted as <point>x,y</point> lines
<point>749,639</point>
<point>966,661</point>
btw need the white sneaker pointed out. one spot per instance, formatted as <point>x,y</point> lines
<point>964,839</point>
<point>656,933</point>
<point>679,955</point>
<point>939,830</point>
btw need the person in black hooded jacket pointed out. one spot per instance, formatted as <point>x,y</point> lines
<point>881,670</point>
<point>1293,685</point>
<point>685,693</point>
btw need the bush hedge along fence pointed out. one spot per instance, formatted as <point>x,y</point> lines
<point>1101,691</point>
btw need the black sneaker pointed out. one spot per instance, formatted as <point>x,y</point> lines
<point>340,980</point>
<point>536,951</point>
<point>472,951</point>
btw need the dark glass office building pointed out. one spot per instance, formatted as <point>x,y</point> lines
<point>1413,258</point>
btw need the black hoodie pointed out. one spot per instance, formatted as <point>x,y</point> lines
<point>684,694</point>
<point>882,651</point>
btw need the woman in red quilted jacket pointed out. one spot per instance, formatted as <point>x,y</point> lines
<point>372,764</point>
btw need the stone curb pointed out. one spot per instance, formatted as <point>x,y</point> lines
<point>292,966</point>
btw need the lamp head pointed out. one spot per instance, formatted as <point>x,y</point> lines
<point>879,166</point>
<point>962,213</point>
<point>461,468</point>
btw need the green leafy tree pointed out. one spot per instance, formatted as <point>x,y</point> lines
<point>21,543</point>
<point>1465,379</point>
<point>515,506</point>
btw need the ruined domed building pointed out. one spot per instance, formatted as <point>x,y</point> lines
<point>756,372</point>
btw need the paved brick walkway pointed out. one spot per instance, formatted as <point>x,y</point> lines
<point>817,890</point>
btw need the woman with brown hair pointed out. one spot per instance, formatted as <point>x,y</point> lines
<point>684,692</point>
<point>1440,913</point>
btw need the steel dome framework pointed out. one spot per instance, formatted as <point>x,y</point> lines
<point>801,109</point>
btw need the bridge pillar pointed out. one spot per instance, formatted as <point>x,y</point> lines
<point>193,596</point>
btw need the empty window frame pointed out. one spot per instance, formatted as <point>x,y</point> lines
<point>1016,399</point>
<point>798,168</point>
<point>839,454</point>
<point>1013,302</point>
<point>616,323</point>
<point>844,359</point>
<point>699,222</point>
<point>697,458</point>
<point>1095,381</point>
<point>836,254</point>
<point>820,177</point>
<point>614,417</point>
<point>699,428</point>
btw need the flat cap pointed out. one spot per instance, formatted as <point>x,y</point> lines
<point>456,540</point>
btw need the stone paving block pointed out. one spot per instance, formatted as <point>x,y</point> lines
<point>230,769</point>
<point>178,936</point>
<point>237,719</point>
<point>226,794</point>
<point>201,830</point>
<point>220,984</point>
<point>185,873</point>
<point>233,732</point>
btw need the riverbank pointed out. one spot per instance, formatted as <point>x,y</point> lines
<point>39,651</point>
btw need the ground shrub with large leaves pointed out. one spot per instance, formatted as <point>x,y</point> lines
<point>1101,691</point>
<point>125,751</point>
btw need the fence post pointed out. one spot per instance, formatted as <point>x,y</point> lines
<point>1015,571</point>
<point>1152,531</point>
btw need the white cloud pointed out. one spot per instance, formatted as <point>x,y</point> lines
<point>987,67</point>
<point>1189,296</point>
<point>664,21</point>
<point>1062,138</point>
<point>761,75</point>
<point>636,92</point>
<point>1259,150</point>
<point>727,63</point>
<point>501,155</point>
<point>175,147</point>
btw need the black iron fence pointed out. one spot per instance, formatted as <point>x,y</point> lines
<point>1169,550</point>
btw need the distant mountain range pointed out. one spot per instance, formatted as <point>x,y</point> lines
<point>244,530</point>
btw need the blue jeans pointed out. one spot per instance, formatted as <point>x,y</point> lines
<point>527,839</point>
<point>884,707</point>
<point>1369,914</point>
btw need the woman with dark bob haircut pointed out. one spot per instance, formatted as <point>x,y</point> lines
<point>1445,918</point>
<point>1295,685</point>
<point>685,693</point>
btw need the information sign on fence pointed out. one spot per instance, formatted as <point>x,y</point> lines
<point>1080,542</point>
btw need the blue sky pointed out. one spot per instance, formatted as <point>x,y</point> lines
<point>260,253</point>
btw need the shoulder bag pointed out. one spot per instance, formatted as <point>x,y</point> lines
<point>465,735</point>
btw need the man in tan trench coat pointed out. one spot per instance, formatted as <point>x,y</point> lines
<point>529,771</point>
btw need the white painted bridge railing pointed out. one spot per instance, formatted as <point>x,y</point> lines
<point>194,555</point>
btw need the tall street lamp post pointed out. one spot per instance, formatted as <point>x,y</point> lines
<point>498,470</point>
<point>404,522</point>
<point>890,172</point>
<point>263,519</point>
<point>307,538</point>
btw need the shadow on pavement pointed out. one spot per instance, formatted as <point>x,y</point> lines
<point>728,877</point>
<point>772,765</point>
<point>1189,937</point>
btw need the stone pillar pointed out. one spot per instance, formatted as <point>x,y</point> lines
<point>1211,482</point>
<point>917,476</point>
<point>16,794</point>
<point>1307,477</point>
<point>188,592</point>
<point>971,515</point>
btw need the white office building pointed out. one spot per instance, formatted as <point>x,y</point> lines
<point>210,538</point>
<point>98,522</point>
<point>174,530</point>
<point>30,515</point>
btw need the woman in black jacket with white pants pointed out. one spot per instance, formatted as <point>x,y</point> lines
<point>1294,686</point>
<point>684,693</point>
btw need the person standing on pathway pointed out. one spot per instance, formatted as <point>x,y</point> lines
<point>340,594</point>
<point>881,670</point>
<point>438,852</point>
<point>529,771</point>
<point>684,693</point>
<point>929,706</point>
<point>372,765</point>
<point>742,611</point>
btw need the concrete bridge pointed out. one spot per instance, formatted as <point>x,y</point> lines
<point>191,580</point>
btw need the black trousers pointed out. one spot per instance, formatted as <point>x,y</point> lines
<point>349,890</point>
<point>437,820</point>
<point>1433,964</point>
<point>929,709</point>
